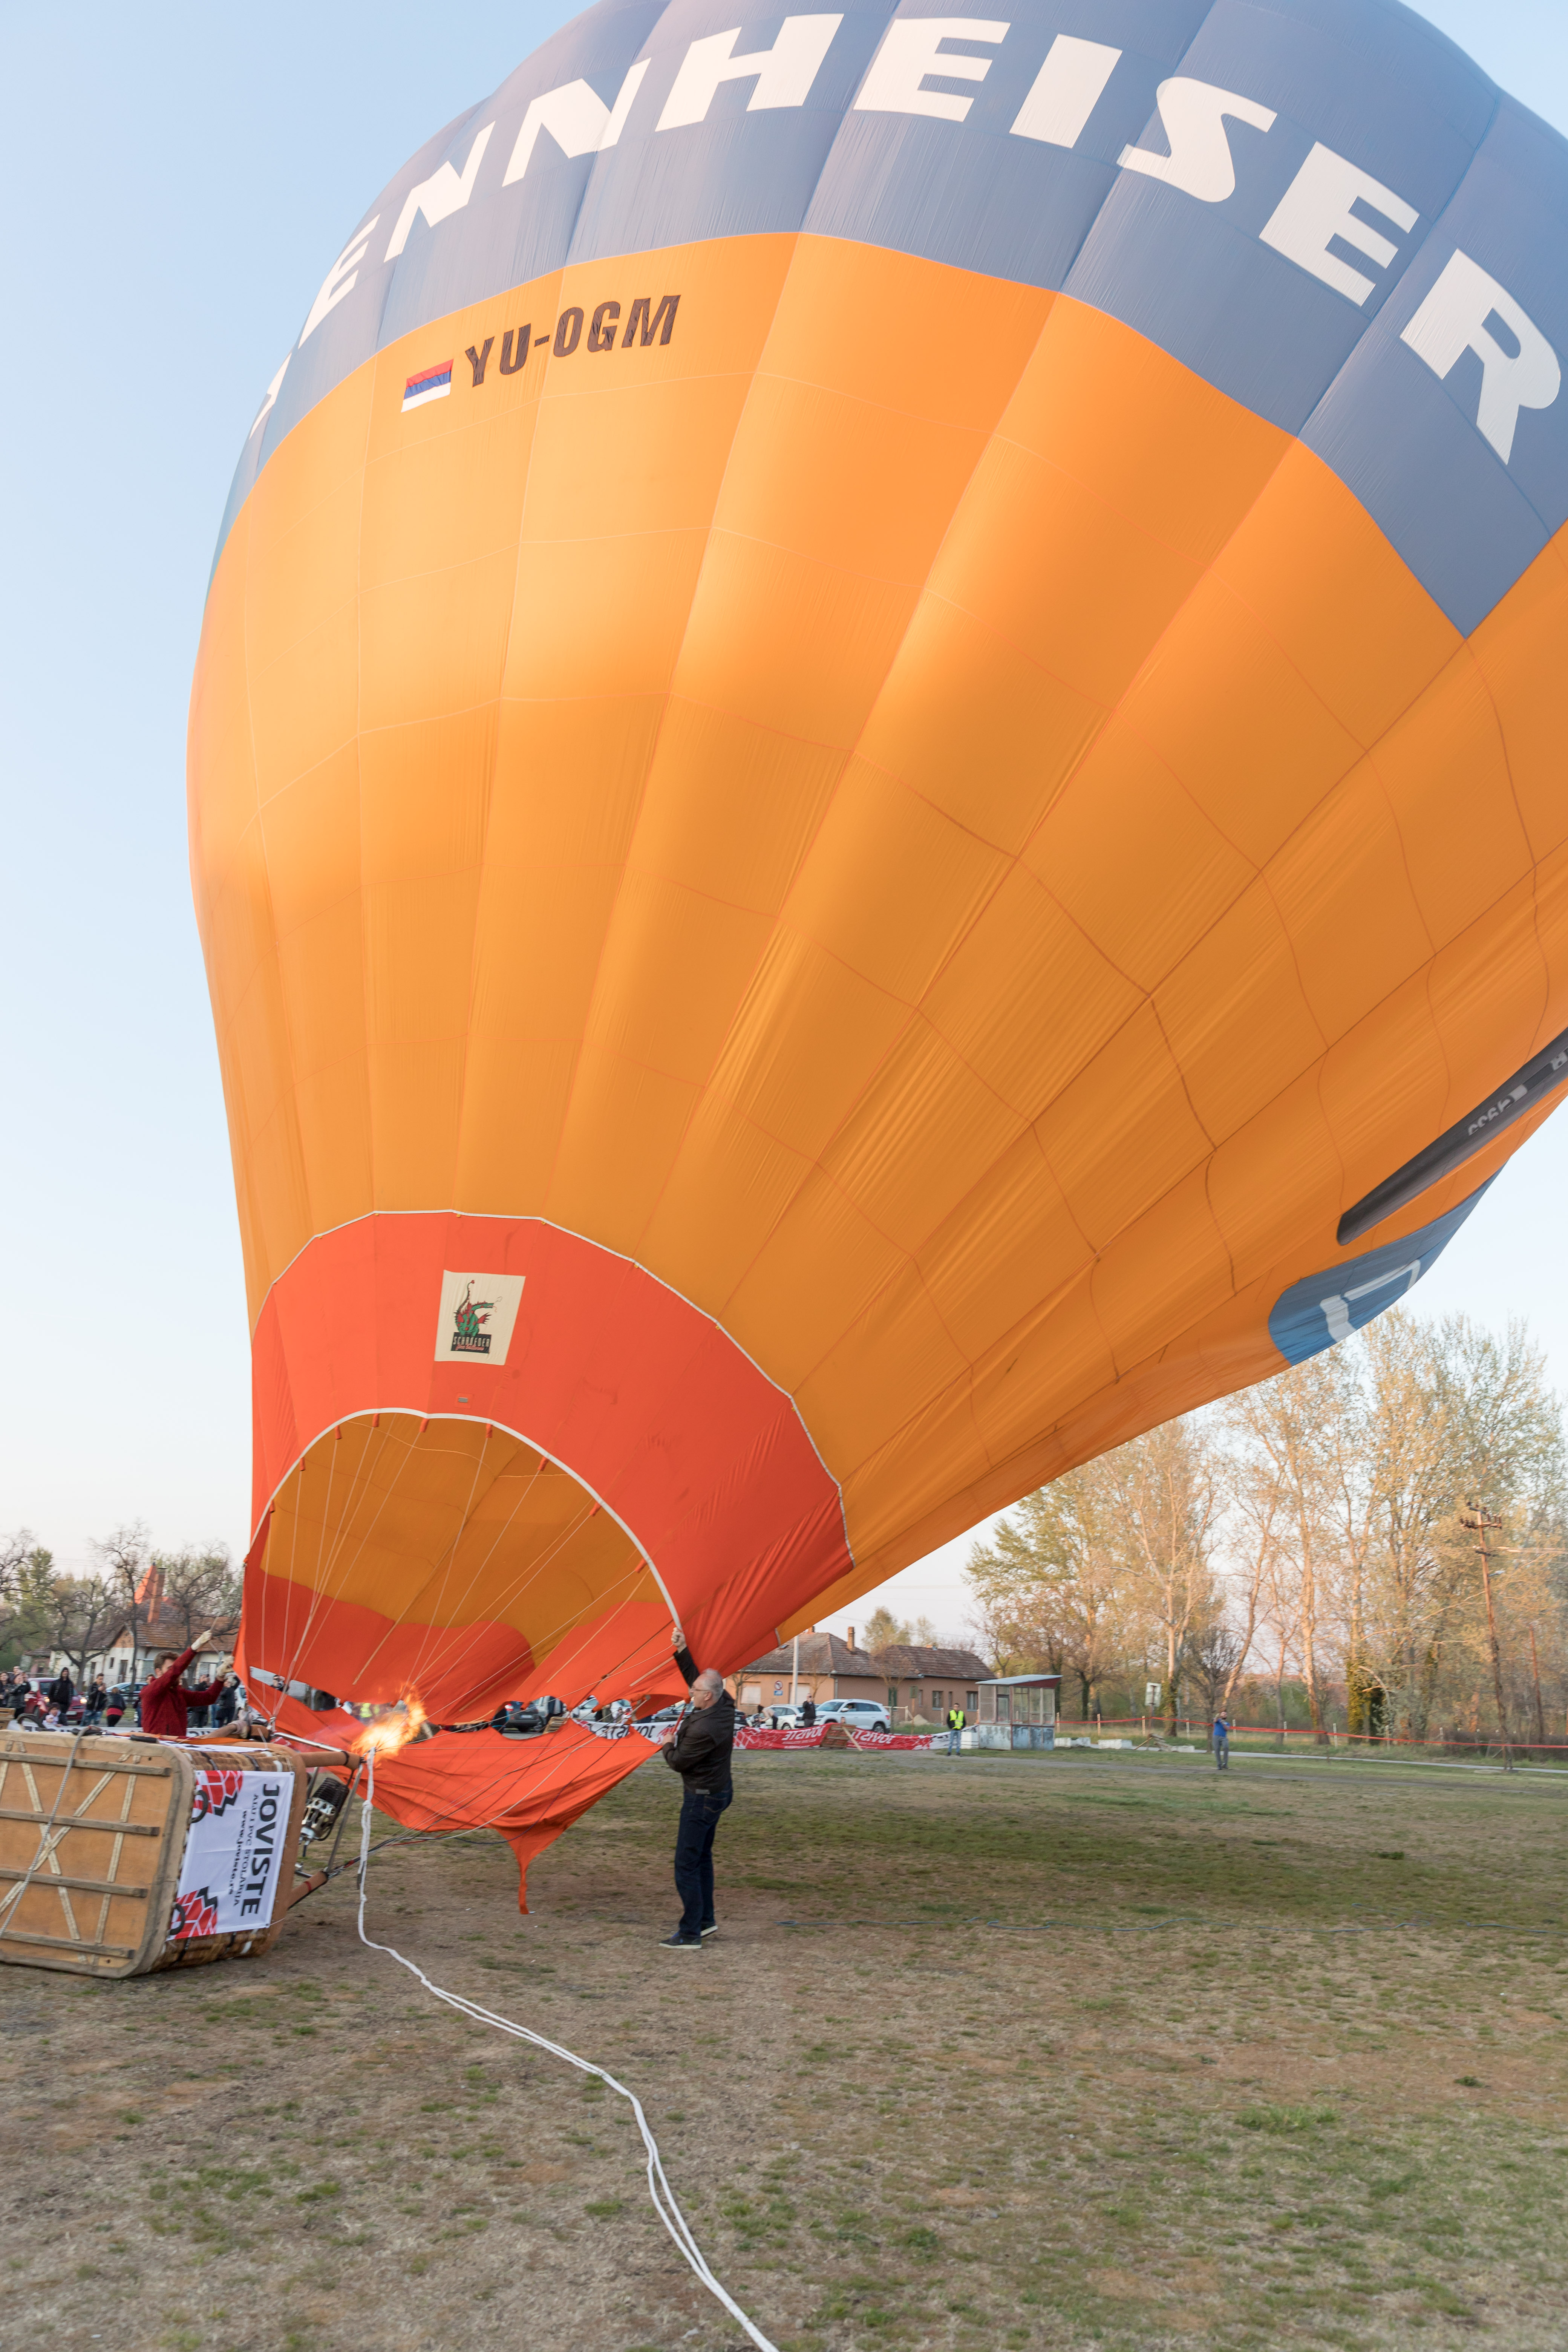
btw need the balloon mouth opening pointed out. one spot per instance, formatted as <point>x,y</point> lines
<point>436,1572</point>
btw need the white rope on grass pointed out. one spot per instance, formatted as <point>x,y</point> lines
<point>665,2203</point>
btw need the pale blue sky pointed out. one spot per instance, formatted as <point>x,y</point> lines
<point>177,180</point>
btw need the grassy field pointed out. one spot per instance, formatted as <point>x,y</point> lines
<point>993,2051</point>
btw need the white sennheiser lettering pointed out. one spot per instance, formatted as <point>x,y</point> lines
<point>910,52</point>
<point>443,194</point>
<point>340,278</point>
<point>1066,91</point>
<point>1192,115</point>
<point>577,120</point>
<point>1316,208</point>
<point>783,74</point>
<point>1455,318</point>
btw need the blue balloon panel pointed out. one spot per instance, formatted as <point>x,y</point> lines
<point>1328,1307</point>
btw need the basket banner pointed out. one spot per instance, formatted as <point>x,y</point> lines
<point>234,1853</point>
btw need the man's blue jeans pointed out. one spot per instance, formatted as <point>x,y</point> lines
<point>700,1814</point>
<point>953,1737</point>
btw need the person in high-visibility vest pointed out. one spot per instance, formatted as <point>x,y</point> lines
<point>956,1719</point>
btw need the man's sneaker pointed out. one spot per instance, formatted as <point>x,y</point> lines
<point>710,1928</point>
<point>679,1943</point>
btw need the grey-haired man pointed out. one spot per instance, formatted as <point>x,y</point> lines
<point>699,1752</point>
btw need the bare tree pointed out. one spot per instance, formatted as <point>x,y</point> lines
<point>1324,1530</point>
<point>1280,1616</point>
<point>123,1558</point>
<point>1167,1504</point>
<point>1284,1430</point>
<point>199,1583</point>
<point>1348,1453</point>
<point>83,1611</point>
<point>1213,1659</point>
<point>1254,1531</point>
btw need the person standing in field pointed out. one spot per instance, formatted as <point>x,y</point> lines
<point>956,1719</point>
<point>699,1751</point>
<point>1221,1744</point>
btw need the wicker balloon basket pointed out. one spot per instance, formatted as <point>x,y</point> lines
<point>121,1856</point>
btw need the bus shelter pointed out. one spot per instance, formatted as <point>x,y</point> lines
<point>1017,1711</point>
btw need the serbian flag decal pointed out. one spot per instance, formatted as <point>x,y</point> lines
<point>430,384</point>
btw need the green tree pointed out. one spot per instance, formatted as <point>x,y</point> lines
<point>884,1629</point>
<point>1455,1413</point>
<point>1047,1585</point>
<point>26,1576</point>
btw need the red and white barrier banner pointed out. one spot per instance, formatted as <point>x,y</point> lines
<point>234,1853</point>
<point>753,1735</point>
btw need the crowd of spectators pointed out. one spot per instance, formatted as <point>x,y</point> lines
<point>56,1704</point>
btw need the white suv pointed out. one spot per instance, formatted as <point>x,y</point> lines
<point>856,1713</point>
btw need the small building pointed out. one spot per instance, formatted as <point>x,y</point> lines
<point>125,1650</point>
<point>1017,1711</point>
<point>128,1654</point>
<point>829,1668</point>
<point>921,1682</point>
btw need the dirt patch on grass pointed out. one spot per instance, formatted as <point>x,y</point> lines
<point>1055,2052</point>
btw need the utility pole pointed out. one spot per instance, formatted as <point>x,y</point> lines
<point>794,1673</point>
<point>1540,1710</point>
<point>1474,1517</point>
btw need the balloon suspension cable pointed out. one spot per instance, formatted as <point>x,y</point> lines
<point>332,1864</point>
<point>659,2188</point>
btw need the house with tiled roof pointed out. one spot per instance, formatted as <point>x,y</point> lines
<point>826,1667</point>
<point>921,1680</point>
<point>915,1681</point>
<point>126,1655</point>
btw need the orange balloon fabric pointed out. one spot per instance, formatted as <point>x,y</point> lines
<point>840,861</point>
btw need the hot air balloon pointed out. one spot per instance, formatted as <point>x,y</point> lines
<point>876,794</point>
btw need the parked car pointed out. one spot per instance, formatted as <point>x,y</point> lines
<point>856,1713</point>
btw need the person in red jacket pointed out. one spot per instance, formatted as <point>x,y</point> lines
<point>165,1701</point>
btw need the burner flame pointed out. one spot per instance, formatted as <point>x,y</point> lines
<point>395,1729</point>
